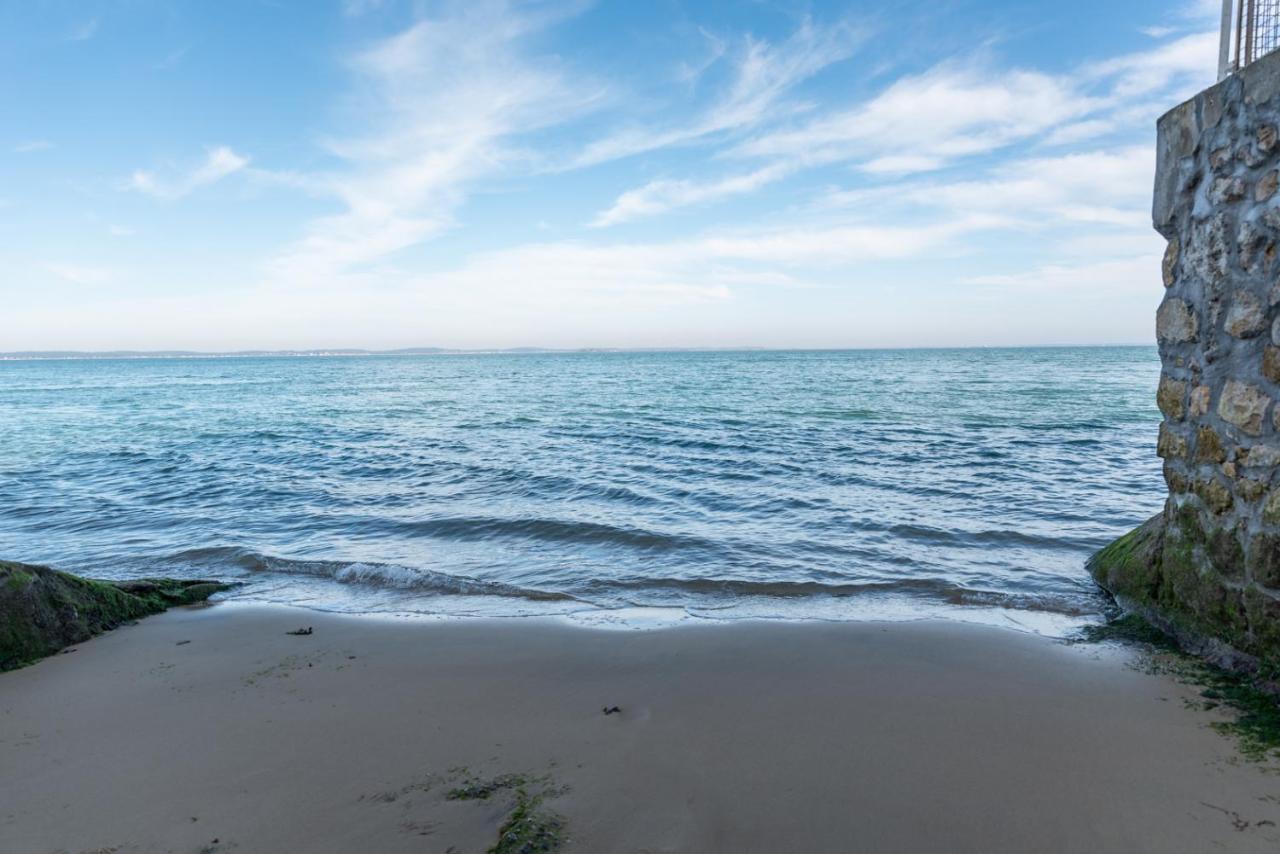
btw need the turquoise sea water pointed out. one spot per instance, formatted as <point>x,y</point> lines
<point>833,485</point>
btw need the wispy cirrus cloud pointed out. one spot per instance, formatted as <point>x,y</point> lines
<point>956,110</point>
<point>1108,186</point>
<point>447,100</point>
<point>83,31</point>
<point>219,163</point>
<point>660,196</point>
<point>31,146</point>
<point>762,73</point>
<point>922,122</point>
<point>80,274</point>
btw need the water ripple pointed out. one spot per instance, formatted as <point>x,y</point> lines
<point>965,479</point>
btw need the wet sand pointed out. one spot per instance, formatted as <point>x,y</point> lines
<point>214,724</point>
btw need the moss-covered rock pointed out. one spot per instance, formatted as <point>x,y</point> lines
<point>1186,578</point>
<point>1130,566</point>
<point>43,610</point>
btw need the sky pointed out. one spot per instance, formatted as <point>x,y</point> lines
<point>300,174</point>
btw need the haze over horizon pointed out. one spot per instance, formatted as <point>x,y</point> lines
<point>379,175</point>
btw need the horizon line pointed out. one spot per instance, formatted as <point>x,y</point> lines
<point>354,352</point>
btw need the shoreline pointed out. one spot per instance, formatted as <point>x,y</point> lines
<point>213,723</point>
<point>869,609</point>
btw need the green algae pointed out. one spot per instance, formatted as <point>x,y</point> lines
<point>1251,702</point>
<point>1190,577</point>
<point>1130,566</point>
<point>529,827</point>
<point>476,789</point>
<point>44,610</point>
<point>1129,628</point>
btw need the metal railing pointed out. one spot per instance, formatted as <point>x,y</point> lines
<point>1250,30</point>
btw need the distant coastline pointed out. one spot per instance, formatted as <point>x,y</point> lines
<point>338,352</point>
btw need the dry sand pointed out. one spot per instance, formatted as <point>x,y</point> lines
<point>214,724</point>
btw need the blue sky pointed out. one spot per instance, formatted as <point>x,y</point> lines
<point>391,173</point>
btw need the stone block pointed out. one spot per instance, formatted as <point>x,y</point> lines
<point>1246,317</point>
<point>1171,445</point>
<point>1215,494</point>
<point>1224,190</point>
<point>1266,187</point>
<point>1264,559</point>
<point>1169,266</point>
<point>1176,322</point>
<point>1170,396</point>
<point>1199,402</point>
<point>1266,138</point>
<point>1243,405</point>
<point>1209,446</point>
<point>1271,363</point>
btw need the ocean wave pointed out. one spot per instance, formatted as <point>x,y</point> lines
<point>935,589</point>
<point>549,529</point>
<point>359,572</point>
<point>633,591</point>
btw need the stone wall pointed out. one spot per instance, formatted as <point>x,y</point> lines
<point>1209,566</point>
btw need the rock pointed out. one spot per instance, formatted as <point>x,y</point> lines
<point>1208,568</point>
<point>1215,495</point>
<point>1169,397</point>
<point>1271,510</point>
<point>1266,137</point>
<point>1175,478</point>
<point>43,610</point>
<point>1243,405</point>
<point>1171,445</point>
<point>1254,246</point>
<point>1224,190</point>
<point>1271,363</point>
<point>1168,267</point>
<point>1266,188</point>
<point>1209,447</point>
<point>1249,489</point>
<point>1176,322</point>
<point>1199,404</point>
<point>1205,252</point>
<point>1245,317</point>
<point>1264,559</point>
<point>1262,456</point>
<point>1249,155</point>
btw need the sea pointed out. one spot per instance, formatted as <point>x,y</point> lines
<point>615,489</point>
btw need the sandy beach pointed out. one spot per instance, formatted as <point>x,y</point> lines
<point>212,729</point>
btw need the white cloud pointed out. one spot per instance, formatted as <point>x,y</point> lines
<point>120,231</point>
<point>1135,275</point>
<point>1110,186</point>
<point>954,111</point>
<point>699,269</point>
<point>31,146</point>
<point>660,196</point>
<point>218,164</point>
<point>445,99</point>
<point>762,74</point>
<point>80,274</point>
<point>1188,63</point>
<point>921,122</point>
<point>171,59</point>
<point>83,31</point>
